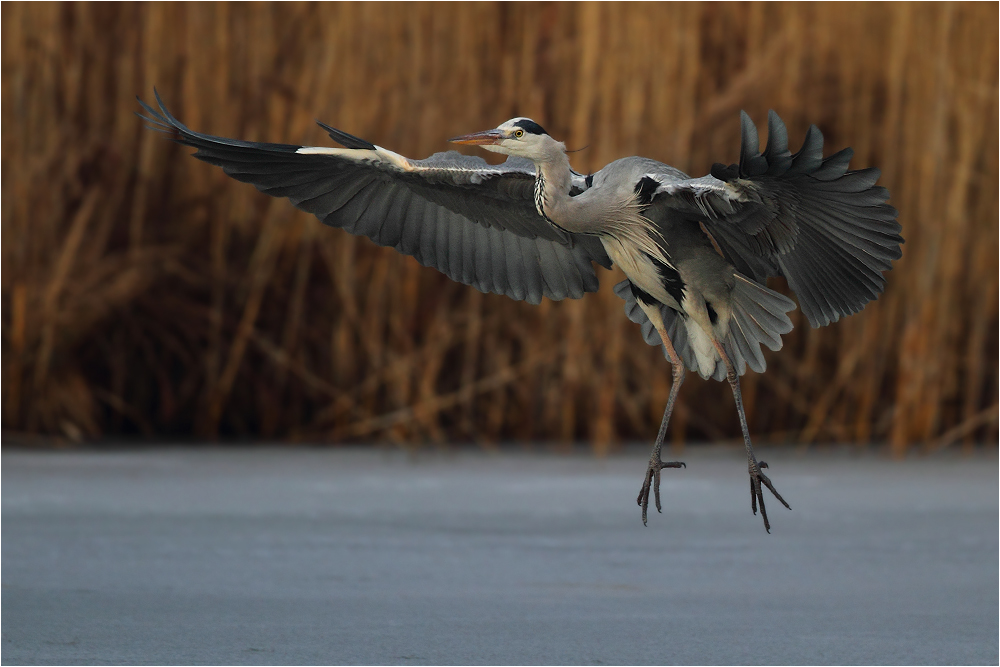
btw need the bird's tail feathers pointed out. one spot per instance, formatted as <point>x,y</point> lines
<point>759,317</point>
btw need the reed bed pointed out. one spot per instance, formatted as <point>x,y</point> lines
<point>145,293</point>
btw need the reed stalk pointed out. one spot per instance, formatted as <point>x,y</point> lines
<point>145,293</point>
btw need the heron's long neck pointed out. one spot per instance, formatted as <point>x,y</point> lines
<point>597,211</point>
<point>553,180</point>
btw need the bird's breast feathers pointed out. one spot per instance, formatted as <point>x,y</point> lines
<point>654,276</point>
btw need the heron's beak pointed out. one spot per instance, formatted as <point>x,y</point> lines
<point>485,138</point>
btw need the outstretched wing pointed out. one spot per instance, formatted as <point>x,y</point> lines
<point>827,230</point>
<point>473,221</point>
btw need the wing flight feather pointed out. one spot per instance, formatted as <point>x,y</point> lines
<point>826,229</point>
<point>473,221</point>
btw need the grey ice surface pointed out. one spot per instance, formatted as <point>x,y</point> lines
<point>254,556</point>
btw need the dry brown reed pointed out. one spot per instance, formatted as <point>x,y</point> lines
<point>146,293</point>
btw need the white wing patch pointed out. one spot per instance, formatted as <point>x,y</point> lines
<point>350,153</point>
<point>479,172</point>
<point>361,155</point>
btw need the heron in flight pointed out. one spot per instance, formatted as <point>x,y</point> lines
<point>696,252</point>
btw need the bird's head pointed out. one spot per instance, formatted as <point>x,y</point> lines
<point>522,137</point>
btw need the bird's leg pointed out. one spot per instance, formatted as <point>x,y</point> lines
<point>753,466</point>
<point>656,464</point>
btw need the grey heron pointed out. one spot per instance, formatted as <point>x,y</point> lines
<point>696,252</point>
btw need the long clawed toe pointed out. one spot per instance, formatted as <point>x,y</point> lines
<point>653,480</point>
<point>756,479</point>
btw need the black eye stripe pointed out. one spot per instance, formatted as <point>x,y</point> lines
<point>530,126</point>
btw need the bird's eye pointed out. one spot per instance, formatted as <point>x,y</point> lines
<point>518,133</point>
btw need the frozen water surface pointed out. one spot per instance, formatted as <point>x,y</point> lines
<point>254,556</point>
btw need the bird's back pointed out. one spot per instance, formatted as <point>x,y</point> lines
<point>622,175</point>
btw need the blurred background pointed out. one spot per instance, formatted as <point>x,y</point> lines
<point>146,295</point>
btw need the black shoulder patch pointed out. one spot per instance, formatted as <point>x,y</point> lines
<point>530,126</point>
<point>645,189</point>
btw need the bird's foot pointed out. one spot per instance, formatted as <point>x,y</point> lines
<point>756,479</point>
<point>653,480</point>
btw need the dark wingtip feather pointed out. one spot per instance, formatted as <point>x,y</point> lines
<point>346,140</point>
<point>157,120</point>
<point>834,166</point>
<point>810,156</point>
<point>777,134</point>
<point>162,120</point>
<point>750,160</point>
<point>776,153</point>
<point>164,113</point>
<point>205,143</point>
